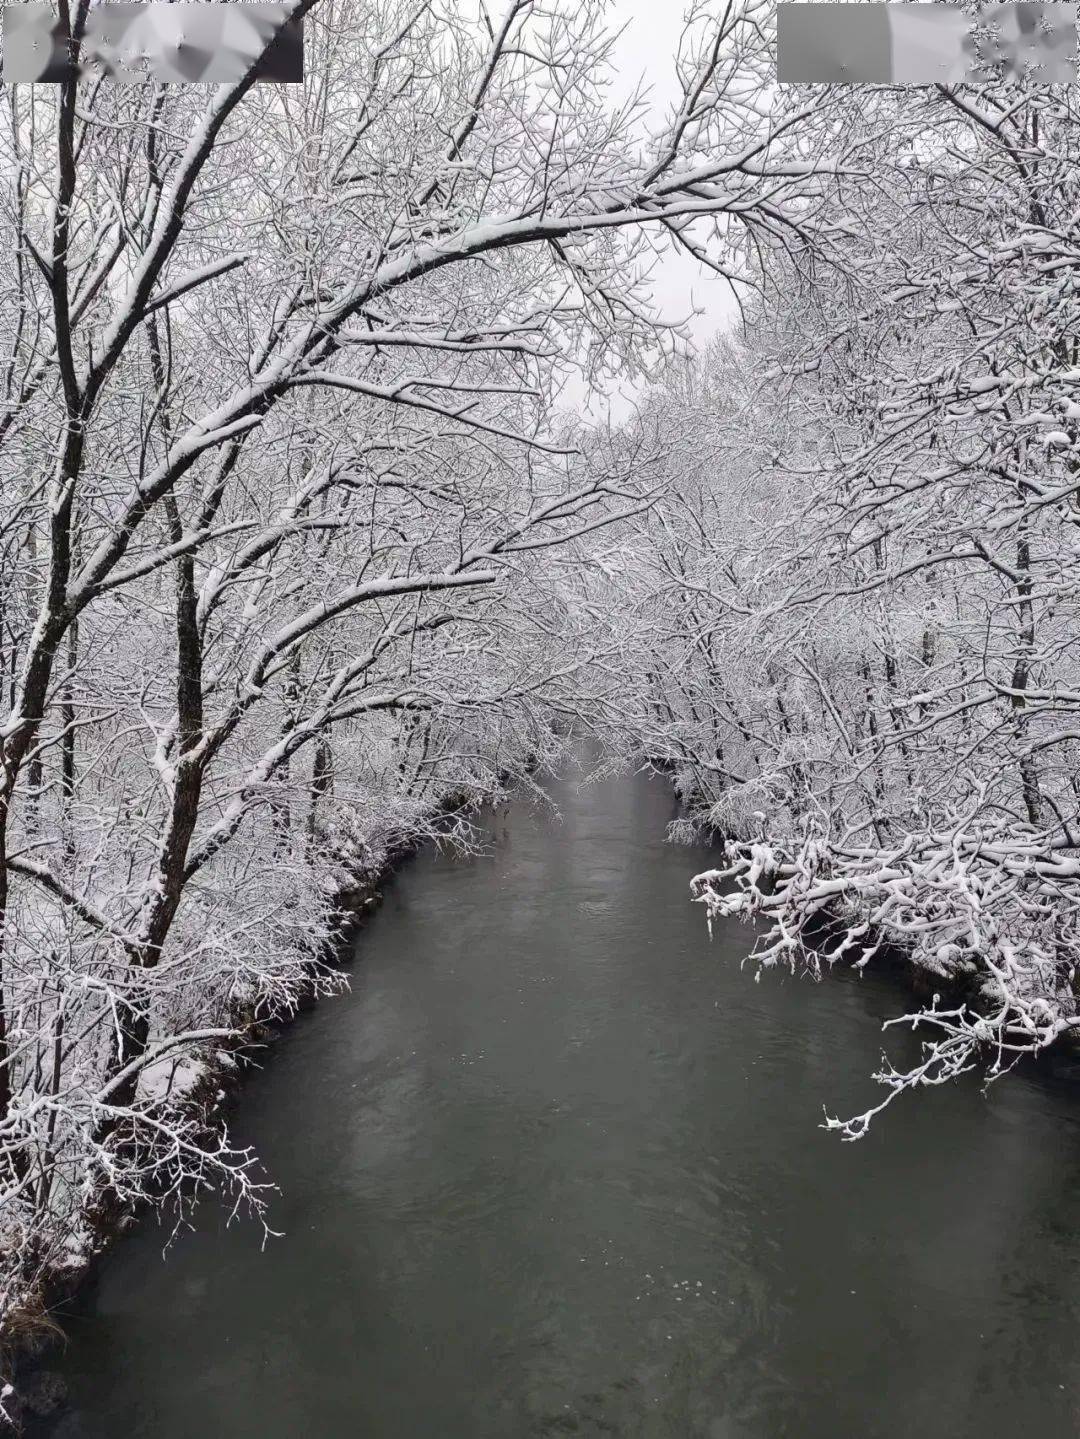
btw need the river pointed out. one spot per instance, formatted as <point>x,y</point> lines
<point>553,1167</point>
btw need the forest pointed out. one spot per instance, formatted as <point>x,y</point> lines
<point>306,550</point>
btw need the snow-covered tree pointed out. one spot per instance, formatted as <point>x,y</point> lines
<point>896,620</point>
<point>292,537</point>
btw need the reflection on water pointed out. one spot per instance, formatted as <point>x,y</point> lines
<point>554,1168</point>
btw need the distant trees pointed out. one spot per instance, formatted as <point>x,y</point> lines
<point>874,650</point>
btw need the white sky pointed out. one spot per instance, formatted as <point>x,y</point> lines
<point>647,50</point>
<point>681,285</point>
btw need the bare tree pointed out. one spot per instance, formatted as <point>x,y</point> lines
<point>899,628</point>
<point>290,525</point>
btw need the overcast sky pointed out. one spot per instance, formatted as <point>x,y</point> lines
<point>646,51</point>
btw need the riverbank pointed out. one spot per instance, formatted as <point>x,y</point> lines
<point>30,1389</point>
<point>817,909</point>
<point>31,1333</point>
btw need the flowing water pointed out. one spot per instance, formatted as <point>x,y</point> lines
<point>554,1167</point>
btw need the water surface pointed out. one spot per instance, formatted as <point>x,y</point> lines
<point>554,1167</point>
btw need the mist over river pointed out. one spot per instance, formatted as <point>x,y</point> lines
<point>554,1167</point>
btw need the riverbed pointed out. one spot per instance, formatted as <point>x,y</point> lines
<point>554,1167</point>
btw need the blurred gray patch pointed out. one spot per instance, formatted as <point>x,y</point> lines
<point>35,45</point>
<point>832,43</point>
<point>196,43</point>
<point>1034,41</point>
<point>931,44</point>
<point>925,44</point>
